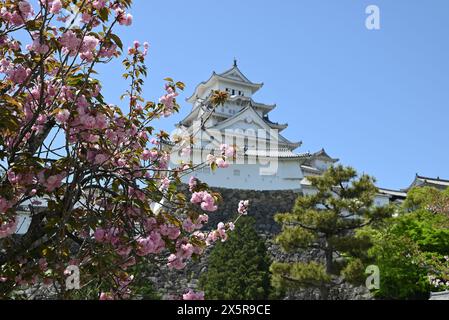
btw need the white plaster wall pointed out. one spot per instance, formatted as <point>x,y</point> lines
<point>287,177</point>
<point>381,200</point>
<point>208,89</point>
<point>320,164</point>
<point>223,85</point>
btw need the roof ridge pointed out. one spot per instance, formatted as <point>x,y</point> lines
<point>430,178</point>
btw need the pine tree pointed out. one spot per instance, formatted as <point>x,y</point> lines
<point>326,220</point>
<point>238,269</point>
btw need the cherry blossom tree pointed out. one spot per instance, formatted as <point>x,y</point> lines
<point>95,177</point>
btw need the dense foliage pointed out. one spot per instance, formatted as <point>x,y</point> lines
<point>238,269</point>
<point>412,249</point>
<point>326,220</point>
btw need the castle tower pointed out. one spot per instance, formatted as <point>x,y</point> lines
<point>265,159</point>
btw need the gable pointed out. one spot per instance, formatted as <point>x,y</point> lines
<point>234,74</point>
<point>247,118</point>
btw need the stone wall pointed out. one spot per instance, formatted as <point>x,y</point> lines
<point>263,206</point>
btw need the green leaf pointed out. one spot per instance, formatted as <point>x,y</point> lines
<point>117,40</point>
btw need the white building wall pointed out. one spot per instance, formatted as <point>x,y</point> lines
<point>381,200</point>
<point>321,164</point>
<point>248,177</point>
<point>246,92</point>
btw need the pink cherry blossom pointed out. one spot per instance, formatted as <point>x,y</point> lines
<point>191,295</point>
<point>25,8</point>
<point>210,158</point>
<point>205,199</point>
<point>18,75</point>
<point>149,155</point>
<point>186,251</point>
<point>124,19</point>
<point>70,41</point>
<point>165,183</point>
<point>4,205</point>
<point>221,163</point>
<point>101,158</point>
<point>146,47</point>
<point>151,244</point>
<point>62,116</point>
<point>192,183</point>
<point>53,182</point>
<point>56,6</point>
<point>106,296</point>
<point>196,198</point>
<point>121,162</point>
<point>100,234</point>
<point>170,231</point>
<point>188,225</point>
<point>8,228</point>
<point>89,43</point>
<point>175,262</point>
<point>227,150</point>
<point>86,17</point>
<point>168,100</point>
<point>38,47</point>
<point>243,207</point>
<point>99,4</point>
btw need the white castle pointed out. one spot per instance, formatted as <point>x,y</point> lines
<point>266,160</point>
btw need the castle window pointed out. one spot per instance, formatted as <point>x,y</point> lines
<point>233,92</point>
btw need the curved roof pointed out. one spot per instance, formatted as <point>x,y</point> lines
<point>260,120</point>
<point>233,75</point>
<point>428,181</point>
<point>324,155</point>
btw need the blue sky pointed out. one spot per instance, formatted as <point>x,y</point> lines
<point>378,100</point>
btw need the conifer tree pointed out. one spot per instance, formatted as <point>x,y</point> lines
<point>238,269</point>
<point>326,220</point>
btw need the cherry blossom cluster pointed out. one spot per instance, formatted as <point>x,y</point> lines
<point>205,200</point>
<point>17,15</point>
<point>168,101</point>
<point>8,228</point>
<point>243,207</point>
<point>221,161</point>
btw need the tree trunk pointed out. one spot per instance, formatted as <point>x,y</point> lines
<point>324,291</point>
<point>329,260</point>
<point>328,256</point>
